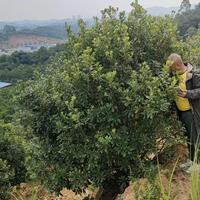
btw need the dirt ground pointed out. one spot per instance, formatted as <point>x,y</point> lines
<point>16,41</point>
<point>181,181</point>
<point>21,40</point>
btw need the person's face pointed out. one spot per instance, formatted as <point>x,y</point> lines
<point>175,66</point>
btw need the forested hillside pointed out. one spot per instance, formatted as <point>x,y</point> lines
<point>21,66</point>
<point>188,20</point>
<point>95,112</point>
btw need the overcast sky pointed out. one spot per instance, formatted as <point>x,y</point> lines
<point>60,9</point>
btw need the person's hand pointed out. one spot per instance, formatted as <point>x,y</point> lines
<point>182,93</point>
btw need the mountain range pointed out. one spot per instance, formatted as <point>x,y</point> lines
<point>160,11</point>
<point>31,24</point>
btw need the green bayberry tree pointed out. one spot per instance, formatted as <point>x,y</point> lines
<point>102,110</point>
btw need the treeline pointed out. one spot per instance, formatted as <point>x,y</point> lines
<point>53,31</point>
<point>187,19</point>
<point>21,65</point>
<point>56,30</point>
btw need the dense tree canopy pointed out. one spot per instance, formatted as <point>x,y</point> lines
<point>104,108</point>
<point>188,21</point>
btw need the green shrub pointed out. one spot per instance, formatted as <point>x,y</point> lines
<point>152,192</point>
<point>100,113</point>
<point>12,160</point>
<point>6,174</point>
<point>190,49</point>
<point>17,157</point>
<point>20,152</point>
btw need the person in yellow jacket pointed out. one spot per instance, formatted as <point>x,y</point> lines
<point>182,103</point>
<point>188,106</point>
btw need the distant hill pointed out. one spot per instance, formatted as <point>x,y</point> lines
<point>32,24</point>
<point>51,28</point>
<point>160,11</point>
<point>53,31</point>
<point>33,34</point>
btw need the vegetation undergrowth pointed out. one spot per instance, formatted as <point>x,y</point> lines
<point>195,174</point>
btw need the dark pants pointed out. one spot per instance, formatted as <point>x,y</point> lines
<point>186,117</point>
